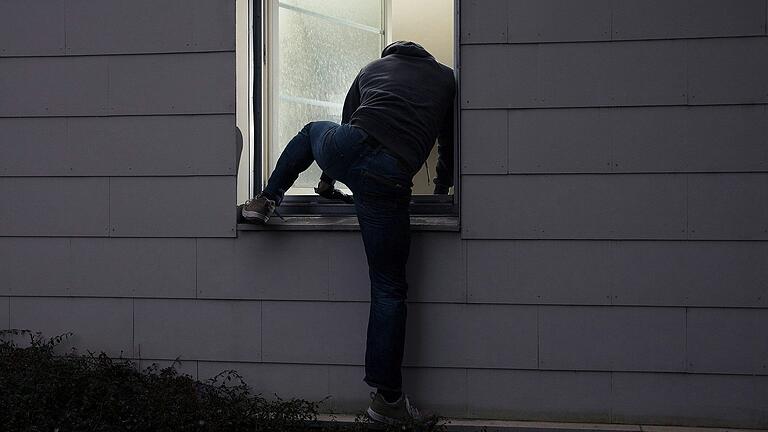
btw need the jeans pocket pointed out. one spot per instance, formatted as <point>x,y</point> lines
<point>385,191</point>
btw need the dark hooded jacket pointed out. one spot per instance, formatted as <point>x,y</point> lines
<point>404,100</point>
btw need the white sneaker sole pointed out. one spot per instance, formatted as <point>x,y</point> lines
<point>254,216</point>
<point>381,418</point>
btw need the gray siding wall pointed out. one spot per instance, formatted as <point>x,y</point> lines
<point>612,264</point>
<point>615,180</point>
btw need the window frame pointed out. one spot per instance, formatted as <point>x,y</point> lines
<point>313,205</point>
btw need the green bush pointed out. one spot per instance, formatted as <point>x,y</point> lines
<point>41,390</point>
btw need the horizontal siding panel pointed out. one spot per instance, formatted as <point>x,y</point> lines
<point>123,267</point>
<point>198,329</point>
<point>556,21</point>
<point>154,145</point>
<point>54,206</point>
<point>484,21</point>
<point>98,324</point>
<point>731,341</point>
<point>262,265</point>
<point>665,19</point>
<point>630,273</point>
<point>200,83</point>
<point>32,28</point>
<point>538,272</point>
<point>484,138</point>
<point>5,317</point>
<point>728,70</point>
<point>695,138</point>
<point>146,26</point>
<point>690,399</point>
<point>305,332</point>
<point>35,147</point>
<point>611,338</point>
<point>44,86</point>
<point>491,336</point>
<point>728,206</point>
<point>442,390</point>
<point>597,206</point>
<point>558,140</point>
<point>575,74</point>
<point>512,68</point>
<point>335,332</point>
<point>24,257</point>
<point>685,273</point>
<point>99,267</point>
<point>637,139</point>
<point>539,395</point>
<point>172,206</point>
<point>532,21</point>
<point>83,27</point>
<point>118,146</point>
<point>630,73</point>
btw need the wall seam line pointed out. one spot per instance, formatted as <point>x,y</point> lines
<point>610,22</point>
<point>507,164</point>
<point>685,341</point>
<point>687,212</point>
<point>611,396</point>
<point>133,327</point>
<point>465,258</point>
<point>71,262</point>
<point>196,268</point>
<point>66,26</point>
<point>538,337</point>
<point>466,392</point>
<point>109,207</point>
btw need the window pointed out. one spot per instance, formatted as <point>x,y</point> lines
<point>309,52</point>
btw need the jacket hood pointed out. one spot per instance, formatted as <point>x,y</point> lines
<point>406,48</point>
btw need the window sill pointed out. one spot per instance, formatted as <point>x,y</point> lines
<point>346,223</point>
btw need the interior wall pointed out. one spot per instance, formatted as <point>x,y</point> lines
<point>430,23</point>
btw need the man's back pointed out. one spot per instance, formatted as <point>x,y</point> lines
<point>404,100</point>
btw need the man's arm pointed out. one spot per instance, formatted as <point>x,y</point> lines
<point>444,179</point>
<point>352,101</point>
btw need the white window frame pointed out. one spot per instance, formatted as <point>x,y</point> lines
<point>263,122</point>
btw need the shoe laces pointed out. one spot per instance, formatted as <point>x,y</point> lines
<point>411,409</point>
<point>273,205</point>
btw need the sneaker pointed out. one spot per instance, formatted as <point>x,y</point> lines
<point>258,209</point>
<point>394,413</point>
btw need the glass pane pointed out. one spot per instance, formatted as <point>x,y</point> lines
<point>317,61</point>
<point>365,12</point>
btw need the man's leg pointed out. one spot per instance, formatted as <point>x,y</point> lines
<point>385,228</point>
<point>303,149</point>
<point>295,158</point>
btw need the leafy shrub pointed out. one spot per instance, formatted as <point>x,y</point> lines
<point>41,390</point>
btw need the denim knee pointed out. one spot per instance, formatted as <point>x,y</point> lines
<point>388,291</point>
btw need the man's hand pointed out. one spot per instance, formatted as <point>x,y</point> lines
<point>441,189</point>
<point>326,190</point>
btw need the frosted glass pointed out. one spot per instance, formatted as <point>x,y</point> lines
<point>365,12</point>
<point>317,61</point>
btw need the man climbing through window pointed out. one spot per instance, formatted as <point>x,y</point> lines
<point>396,108</point>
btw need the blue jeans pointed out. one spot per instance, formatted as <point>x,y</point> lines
<point>382,191</point>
